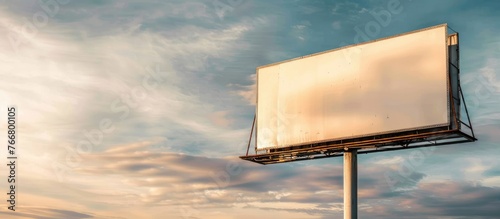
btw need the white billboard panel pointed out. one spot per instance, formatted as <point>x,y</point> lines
<point>389,85</point>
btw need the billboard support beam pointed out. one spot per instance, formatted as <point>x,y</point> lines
<point>351,184</point>
<point>251,133</point>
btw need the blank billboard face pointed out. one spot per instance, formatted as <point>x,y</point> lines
<point>385,86</point>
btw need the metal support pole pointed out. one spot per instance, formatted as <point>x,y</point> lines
<point>351,184</point>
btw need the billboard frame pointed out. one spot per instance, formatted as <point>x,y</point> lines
<point>436,135</point>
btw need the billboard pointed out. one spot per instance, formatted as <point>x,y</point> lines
<point>385,86</point>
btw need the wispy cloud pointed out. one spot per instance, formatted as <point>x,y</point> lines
<point>176,81</point>
<point>46,213</point>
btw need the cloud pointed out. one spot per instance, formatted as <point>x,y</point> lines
<point>77,73</point>
<point>248,92</point>
<point>336,25</point>
<point>45,213</point>
<point>205,184</point>
<point>459,199</point>
<point>220,118</point>
<point>172,154</point>
<point>64,71</point>
<point>483,89</point>
<point>215,182</point>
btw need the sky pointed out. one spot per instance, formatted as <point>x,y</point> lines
<point>140,109</point>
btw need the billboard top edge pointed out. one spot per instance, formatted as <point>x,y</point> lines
<point>353,45</point>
